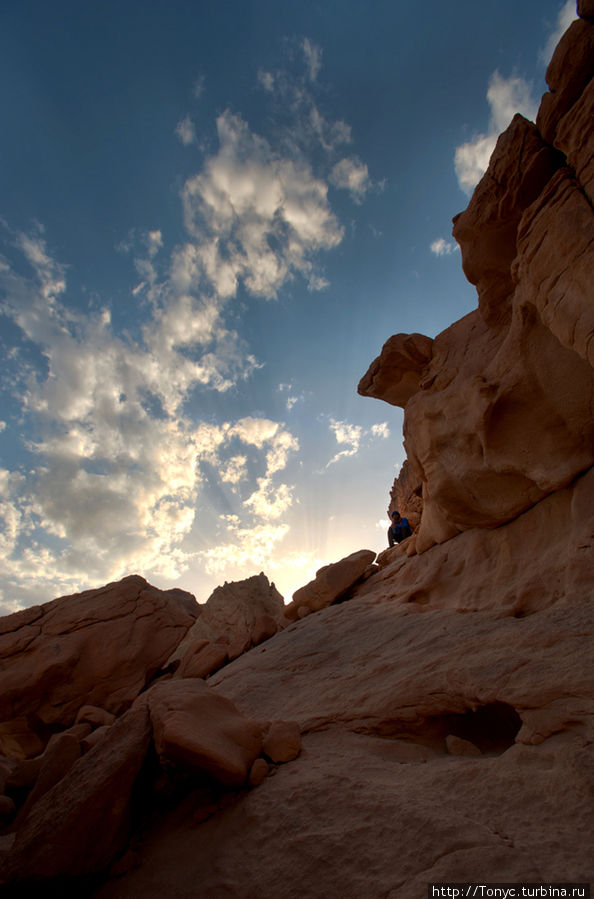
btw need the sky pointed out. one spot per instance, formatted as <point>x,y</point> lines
<point>213,213</point>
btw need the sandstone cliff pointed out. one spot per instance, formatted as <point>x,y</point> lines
<point>438,725</point>
<point>498,408</point>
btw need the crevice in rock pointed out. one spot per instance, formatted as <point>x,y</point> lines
<point>491,728</point>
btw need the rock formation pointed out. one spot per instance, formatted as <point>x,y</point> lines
<point>102,727</point>
<point>516,373</point>
<point>329,584</point>
<point>438,726</point>
<point>98,648</point>
<point>236,616</point>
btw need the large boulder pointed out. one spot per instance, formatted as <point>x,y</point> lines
<point>201,731</point>
<point>95,648</point>
<point>329,584</point>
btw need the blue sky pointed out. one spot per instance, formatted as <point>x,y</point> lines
<point>212,215</point>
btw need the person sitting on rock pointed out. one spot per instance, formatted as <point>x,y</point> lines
<point>398,530</point>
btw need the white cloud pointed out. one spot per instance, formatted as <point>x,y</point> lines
<point>199,86</point>
<point>443,247</point>
<point>346,435</point>
<point>506,97</point>
<point>313,58</point>
<point>260,217</point>
<point>268,501</point>
<point>119,470</point>
<point>266,79</point>
<point>566,15</point>
<point>116,477</point>
<point>234,470</point>
<point>186,131</point>
<point>352,437</point>
<point>292,398</point>
<point>248,548</point>
<point>154,240</point>
<point>381,430</point>
<point>352,175</point>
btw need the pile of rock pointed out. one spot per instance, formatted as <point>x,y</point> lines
<point>89,702</point>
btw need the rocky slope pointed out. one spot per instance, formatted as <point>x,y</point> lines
<point>438,725</point>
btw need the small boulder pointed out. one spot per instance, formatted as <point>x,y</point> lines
<point>93,715</point>
<point>282,741</point>
<point>258,772</point>
<point>458,746</point>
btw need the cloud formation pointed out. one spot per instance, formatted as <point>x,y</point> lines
<point>506,97</point>
<point>352,175</point>
<point>351,436</point>
<point>257,217</point>
<point>443,247</point>
<point>186,131</point>
<point>117,474</point>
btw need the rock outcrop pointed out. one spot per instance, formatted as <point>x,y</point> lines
<point>406,496</point>
<point>99,648</point>
<point>329,584</point>
<point>237,615</point>
<point>100,729</point>
<point>516,374</point>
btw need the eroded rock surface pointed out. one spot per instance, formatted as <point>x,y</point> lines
<point>446,710</point>
<point>503,413</point>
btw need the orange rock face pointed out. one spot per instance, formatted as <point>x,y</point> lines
<point>446,716</point>
<point>502,416</point>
